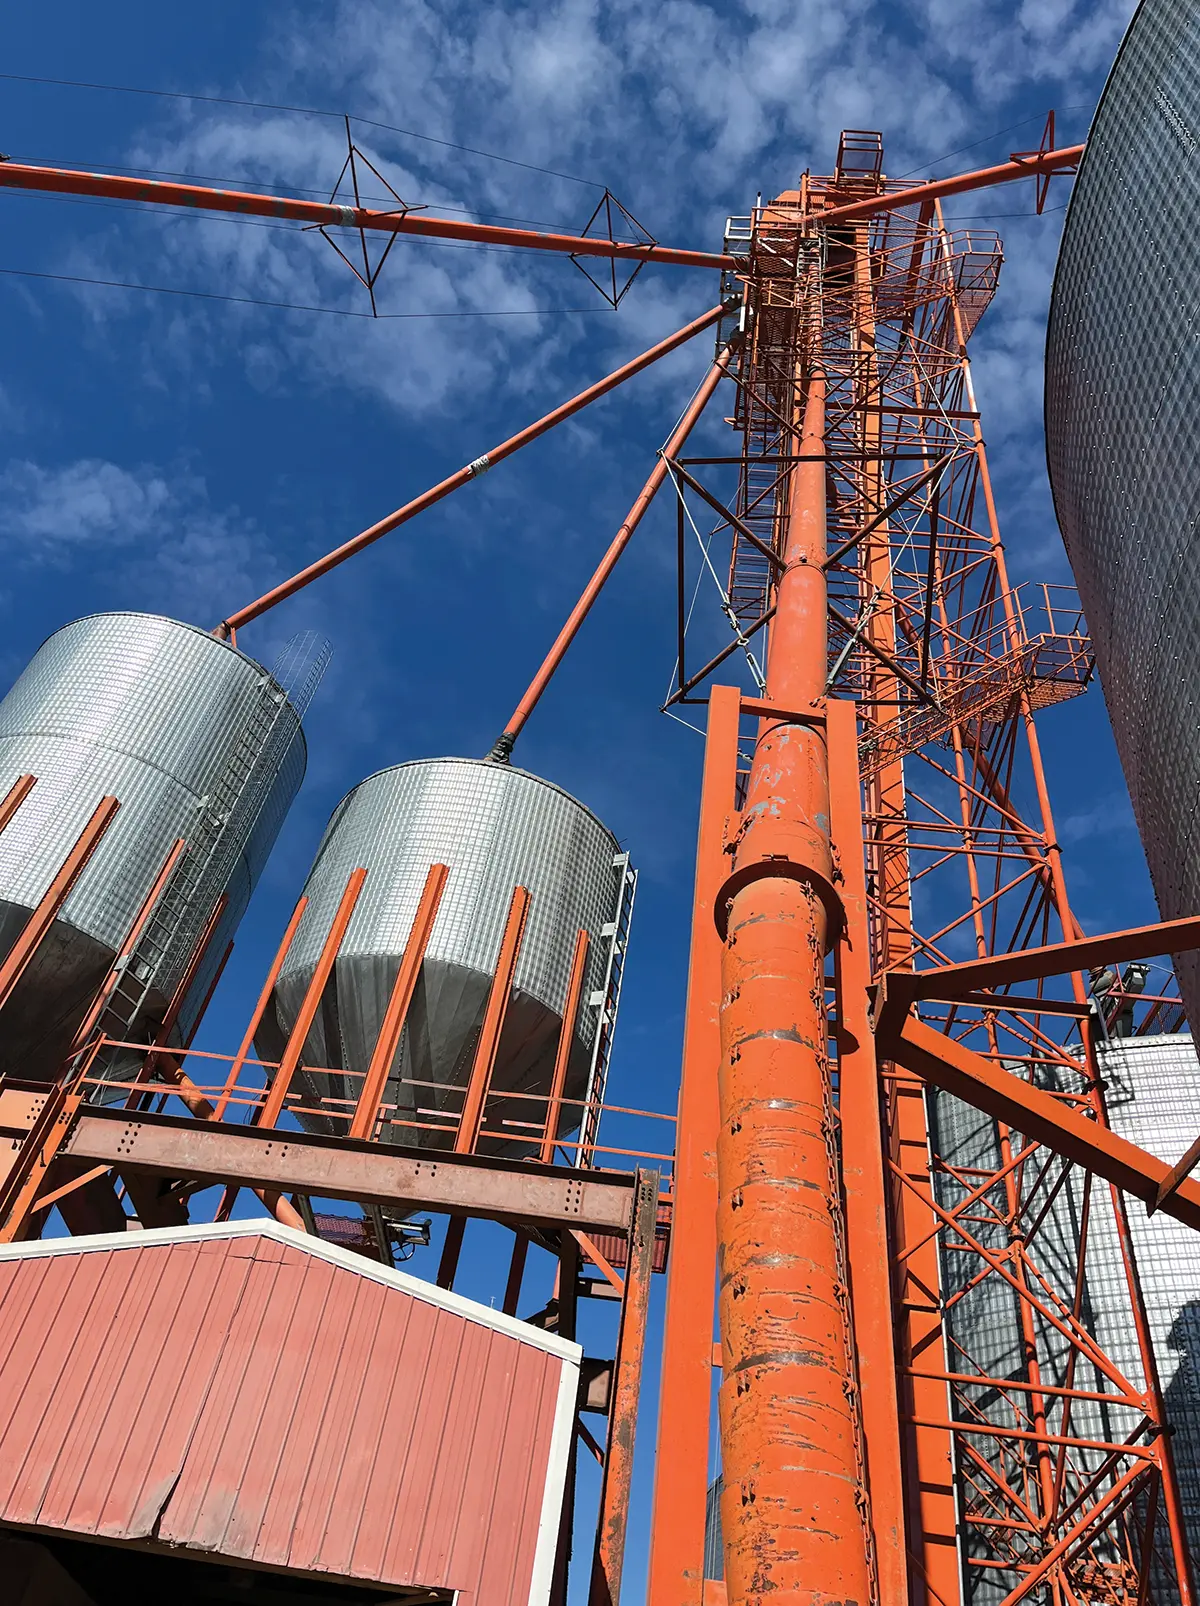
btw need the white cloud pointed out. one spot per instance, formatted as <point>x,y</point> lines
<point>686,111</point>
<point>156,535</point>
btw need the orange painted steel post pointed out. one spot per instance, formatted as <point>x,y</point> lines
<point>493,1023</point>
<point>685,1387</point>
<point>56,894</point>
<point>617,1481</point>
<point>863,1164</point>
<point>608,562</point>
<point>367,1108</point>
<point>15,796</point>
<point>115,971</point>
<point>281,1082</point>
<point>566,1038</point>
<point>794,1512</point>
<point>260,1009</point>
<point>197,1104</point>
<point>1065,160</point>
<point>463,476</point>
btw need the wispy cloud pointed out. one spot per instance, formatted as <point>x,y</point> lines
<point>156,533</point>
<point>686,112</point>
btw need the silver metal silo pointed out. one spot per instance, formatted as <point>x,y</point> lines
<point>197,741</point>
<point>496,828</point>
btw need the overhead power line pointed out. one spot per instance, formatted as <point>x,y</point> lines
<point>293,306</point>
<point>308,111</point>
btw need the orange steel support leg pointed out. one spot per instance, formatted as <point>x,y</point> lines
<point>493,1023</point>
<point>57,893</point>
<point>504,743</point>
<point>685,1390</point>
<point>282,1080</point>
<point>15,796</point>
<point>260,1009</point>
<point>197,1104</point>
<point>863,1167</point>
<point>366,1111</point>
<point>566,1038</point>
<point>793,1513</point>
<point>117,969</point>
<point>516,1274</point>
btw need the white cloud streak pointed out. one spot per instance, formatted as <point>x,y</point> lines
<point>685,110</point>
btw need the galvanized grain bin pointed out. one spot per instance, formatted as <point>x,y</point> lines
<point>496,828</point>
<point>196,740</point>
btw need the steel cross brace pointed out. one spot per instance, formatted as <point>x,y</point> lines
<point>947,1064</point>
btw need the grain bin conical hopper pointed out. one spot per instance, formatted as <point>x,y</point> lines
<point>196,741</point>
<point>496,828</point>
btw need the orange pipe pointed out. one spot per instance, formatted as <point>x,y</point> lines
<point>608,562</point>
<point>463,476</point>
<point>794,1506</point>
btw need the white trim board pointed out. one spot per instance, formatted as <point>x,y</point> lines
<point>429,1293</point>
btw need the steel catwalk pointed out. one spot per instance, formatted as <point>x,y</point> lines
<point>159,715</point>
<point>1123,436</point>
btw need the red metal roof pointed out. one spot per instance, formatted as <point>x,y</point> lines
<point>252,1393</point>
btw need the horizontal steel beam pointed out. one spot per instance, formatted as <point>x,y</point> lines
<point>938,1059</point>
<point>336,1168</point>
<point>899,990</point>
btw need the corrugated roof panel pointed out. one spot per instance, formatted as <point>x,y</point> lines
<point>247,1392</point>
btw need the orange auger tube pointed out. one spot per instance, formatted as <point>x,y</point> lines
<point>794,1512</point>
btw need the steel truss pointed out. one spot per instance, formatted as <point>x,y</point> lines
<point>1033,1467</point>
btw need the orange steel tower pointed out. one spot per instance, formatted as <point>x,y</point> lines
<point>893,1180</point>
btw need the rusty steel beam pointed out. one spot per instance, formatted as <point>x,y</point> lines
<point>1065,160</point>
<point>463,476</point>
<point>941,1061</point>
<point>427,225</point>
<point>898,991</point>
<point>260,1009</point>
<point>337,1168</point>
<point>117,969</point>
<point>617,1484</point>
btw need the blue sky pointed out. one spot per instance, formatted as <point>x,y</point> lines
<point>178,454</point>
